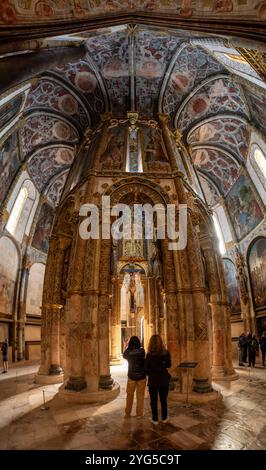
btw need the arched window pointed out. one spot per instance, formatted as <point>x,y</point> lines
<point>260,160</point>
<point>219,234</point>
<point>17,210</point>
<point>21,210</point>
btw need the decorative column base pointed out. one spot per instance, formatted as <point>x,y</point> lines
<point>201,386</point>
<point>55,369</point>
<point>106,382</point>
<point>221,373</point>
<point>195,398</point>
<point>84,396</point>
<point>49,379</point>
<point>76,384</point>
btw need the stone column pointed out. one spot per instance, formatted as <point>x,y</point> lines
<point>171,306</point>
<point>45,318</point>
<point>105,380</point>
<point>22,310</point>
<point>76,304</point>
<point>116,323</point>
<point>55,307</point>
<point>152,316</point>
<point>146,313</point>
<point>200,308</point>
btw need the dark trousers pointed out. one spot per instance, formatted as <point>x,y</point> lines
<point>163,392</point>
<point>263,356</point>
<point>252,358</point>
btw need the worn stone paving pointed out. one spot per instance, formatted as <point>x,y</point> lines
<point>238,422</point>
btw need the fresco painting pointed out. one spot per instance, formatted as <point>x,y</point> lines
<point>27,11</point>
<point>232,286</point>
<point>9,163</point>
<point>9,110</point>
<point>257,269</point>
<point>8,275</point>
<point>43,228</point>
<point>243,208</point>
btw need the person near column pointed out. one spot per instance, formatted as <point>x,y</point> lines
<point>135,355</point>
<point>4,350</point>
<point>157,362</point>
<point>263,347</point>
<point>254,349</point>
<point>242,347</point>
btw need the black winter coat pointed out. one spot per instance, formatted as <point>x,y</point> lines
<point>135,358</point>
<point>156,369</point>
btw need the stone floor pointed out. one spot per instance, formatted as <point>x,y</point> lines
<point>236,423</point>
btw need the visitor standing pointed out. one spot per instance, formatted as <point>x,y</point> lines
<point>4,350</point>
<point>157,362</point>
<point>135,355</point>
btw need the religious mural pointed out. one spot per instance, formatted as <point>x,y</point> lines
<point>257,269</point>
<point>113,155</point>
<point>154,152</point>
<point>257,106</point>
<point>8,275</point>
<point>28,11</point>
<point>232,286</point>
<point>243,208</point>
<point>9,163</point>
<point>43,228</point>
<point>9,110</point>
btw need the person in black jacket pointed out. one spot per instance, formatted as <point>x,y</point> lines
<point>157,362</point>
<point>4,350</point>
<point>135,356</point>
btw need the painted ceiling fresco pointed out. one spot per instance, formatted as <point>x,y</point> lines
<point>221,168</point>
<point>48,162</point>
<point>192,66</point>
<point>231,134</point>
<point>139,68</point>
<point>54,191</point>
<point>217,97</point>
<point>32,11</point>
<point>40,129</point>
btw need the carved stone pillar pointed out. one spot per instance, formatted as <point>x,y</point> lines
<point>46,314</point>
<point>242,279</point>
<point>171,306</point>
<point>116,323</point>
<point>221,362</point>
<point>22,310</point>
<point>152,315</point>
<point>105,380</point>
<point>76,304</point>
<point>54,308</point>
<point>146,313</point>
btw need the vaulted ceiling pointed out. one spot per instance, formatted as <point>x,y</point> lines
<point>208,90</point>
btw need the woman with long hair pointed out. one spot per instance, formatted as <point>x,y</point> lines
<point>135,355</point>
<point>157,362</point>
